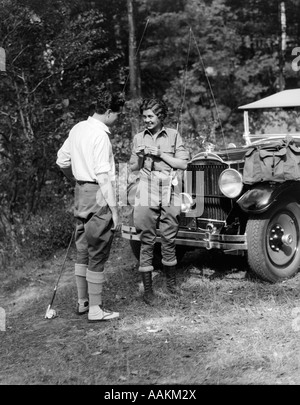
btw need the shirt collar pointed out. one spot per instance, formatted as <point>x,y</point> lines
<point>163,131</point>
<point>93,121</point>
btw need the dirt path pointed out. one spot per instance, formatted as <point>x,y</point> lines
<point>31,345</point>
<point>225,329</point>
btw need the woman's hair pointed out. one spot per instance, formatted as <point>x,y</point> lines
<point>159,107</point>
<point>107,101</point>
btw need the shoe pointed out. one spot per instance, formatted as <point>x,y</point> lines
<point>82,308</point>
<point>171,283</point>
<point>149,298</point>
<point>102,315</point>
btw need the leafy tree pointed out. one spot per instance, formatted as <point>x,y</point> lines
<point>54,68</point>
<point>231,58</point>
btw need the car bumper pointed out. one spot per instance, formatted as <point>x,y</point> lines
<point>197,239</point>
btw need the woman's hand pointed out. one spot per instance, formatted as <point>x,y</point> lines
<point>140,150</point>
<point>153,150</point>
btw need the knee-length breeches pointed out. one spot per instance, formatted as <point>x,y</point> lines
<point>93,236</point>
<point>145,220</point>
<point>156,203</point>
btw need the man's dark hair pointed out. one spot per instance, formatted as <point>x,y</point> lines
<point>159,107</point>
<point>107,101</point>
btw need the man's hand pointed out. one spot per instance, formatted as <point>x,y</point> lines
<point>116,222</point>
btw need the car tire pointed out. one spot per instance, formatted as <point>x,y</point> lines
<point>273,242</point>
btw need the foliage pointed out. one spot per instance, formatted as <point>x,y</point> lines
<point>46,232</point>
<point>218,54</point>
<point>204,57</point>
<point>52,66</point>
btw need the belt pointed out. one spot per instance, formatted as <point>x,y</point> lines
<point>159,172</point>
<point>81,182</point>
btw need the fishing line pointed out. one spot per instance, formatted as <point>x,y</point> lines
<point>210,88</point>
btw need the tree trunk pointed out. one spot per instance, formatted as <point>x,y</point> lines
<point>134,71</point>
<point>282,49</point>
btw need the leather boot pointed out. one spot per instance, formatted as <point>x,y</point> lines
<point>171,280</point>
<point>148,296</point>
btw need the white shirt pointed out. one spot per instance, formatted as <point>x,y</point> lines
<point>88,150</point>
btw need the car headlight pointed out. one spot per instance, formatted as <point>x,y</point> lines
<point>186,202</point>
<point>231,183</point>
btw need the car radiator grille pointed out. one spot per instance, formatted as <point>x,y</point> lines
<point>216,205</point>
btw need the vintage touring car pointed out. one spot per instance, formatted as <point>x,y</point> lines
<point>223,209</point>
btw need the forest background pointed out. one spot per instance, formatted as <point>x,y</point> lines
<point>204,57</point>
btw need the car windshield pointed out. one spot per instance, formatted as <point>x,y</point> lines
<point>276,123</point>
<point>272,117</point>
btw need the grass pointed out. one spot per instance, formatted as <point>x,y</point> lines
<point>226,328</point>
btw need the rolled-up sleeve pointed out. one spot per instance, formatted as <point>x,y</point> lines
<point>64,156</point>
<point>180,151</point>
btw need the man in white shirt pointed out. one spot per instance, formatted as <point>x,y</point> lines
<point>87,156</point>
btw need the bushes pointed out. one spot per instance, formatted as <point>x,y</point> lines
<point>43,234</point>
<point>38,237</point>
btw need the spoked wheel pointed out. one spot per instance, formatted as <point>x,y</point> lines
<point>273,242</point>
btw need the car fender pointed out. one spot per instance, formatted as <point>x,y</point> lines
<point>264,195</point>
